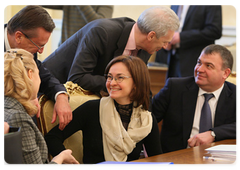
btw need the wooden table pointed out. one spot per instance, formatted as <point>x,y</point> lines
<point>189,156</point>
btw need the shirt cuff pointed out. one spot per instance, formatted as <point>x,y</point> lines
<point>60,92</point>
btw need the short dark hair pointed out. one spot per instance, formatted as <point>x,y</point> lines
<point>29,18</point>
<point>224,53</point>
<point>140,75</point>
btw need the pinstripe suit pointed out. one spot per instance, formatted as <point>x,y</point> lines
<point>202,26</point>
<point>175,104</point>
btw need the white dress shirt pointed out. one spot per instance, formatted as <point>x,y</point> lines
<point>212,103</point>
<point>183,16</point>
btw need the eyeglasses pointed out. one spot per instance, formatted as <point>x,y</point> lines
<point>118,78</point>
<point>39,48</point>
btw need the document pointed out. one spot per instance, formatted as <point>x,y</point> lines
<point>223,151</point>
<point>222,148</point>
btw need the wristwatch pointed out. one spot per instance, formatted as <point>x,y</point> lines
<point>213,134</point>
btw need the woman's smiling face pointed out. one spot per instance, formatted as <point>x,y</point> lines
<point>120,91</point>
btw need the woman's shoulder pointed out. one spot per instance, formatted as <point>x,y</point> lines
<point>14,112</point>
<point>12,103</point>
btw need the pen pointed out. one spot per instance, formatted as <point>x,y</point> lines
<point>215,159</point>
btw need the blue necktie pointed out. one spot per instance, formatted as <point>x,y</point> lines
<point>206,116</point>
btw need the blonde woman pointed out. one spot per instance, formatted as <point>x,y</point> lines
<point>21,85</point>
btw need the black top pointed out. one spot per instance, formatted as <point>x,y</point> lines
<point>125,112</point>
<point>86,118</point>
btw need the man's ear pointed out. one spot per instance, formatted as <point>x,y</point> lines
<point>30,74</point>
<point>151,35</point>
<point>227,72</point>
<point>18,37</point>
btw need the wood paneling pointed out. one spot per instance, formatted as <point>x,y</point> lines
<point>157,78</point>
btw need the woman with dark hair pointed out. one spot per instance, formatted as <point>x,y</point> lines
<point>116,127</point>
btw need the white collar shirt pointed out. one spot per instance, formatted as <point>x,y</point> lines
<point>212,103</point>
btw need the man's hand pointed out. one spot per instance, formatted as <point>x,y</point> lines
<point>176,38</point>
<point>200,139</point>
<point>65,157</point>
<point>63,110</point>
<point>36,103</point>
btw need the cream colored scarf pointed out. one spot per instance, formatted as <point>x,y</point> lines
<point>117,142</point>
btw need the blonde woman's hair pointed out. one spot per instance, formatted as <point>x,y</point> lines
<point>17,84</point>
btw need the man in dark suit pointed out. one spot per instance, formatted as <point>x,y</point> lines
<point>180,102</point>
<point>30,29</point>
<point>199,26</point>
<point>83,57</point>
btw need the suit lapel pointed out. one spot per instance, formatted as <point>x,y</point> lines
<point>221,108</point>
<point>143,55</point>
<point>189,101</point>
<point>189,13</point>
<point>123,38</point>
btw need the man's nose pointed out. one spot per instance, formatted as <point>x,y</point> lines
<point>200,68</point>
<point>166,46</point>
<point>41,50</point>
